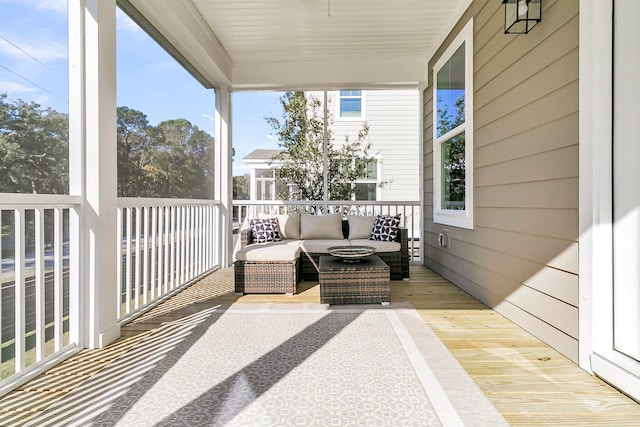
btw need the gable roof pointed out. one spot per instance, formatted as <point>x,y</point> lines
<point>262,154</point>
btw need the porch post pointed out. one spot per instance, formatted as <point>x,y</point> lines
<point>223,175</point>
<point>325,159</point>
<point>98,222</point>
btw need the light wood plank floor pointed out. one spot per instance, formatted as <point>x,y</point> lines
<point>528,382</point>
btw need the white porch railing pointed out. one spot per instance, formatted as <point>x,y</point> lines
<point>165,245</point>
<point>411,213</point>
<point>38,283</point>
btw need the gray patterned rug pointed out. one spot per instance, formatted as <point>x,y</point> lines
<point>282,365</point>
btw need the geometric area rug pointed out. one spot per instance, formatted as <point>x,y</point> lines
<point>282,365</point>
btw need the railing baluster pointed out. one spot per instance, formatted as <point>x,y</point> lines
<point>145,257</point>
<point>167,246</point>
<point>119,267</point>
<point>174,244</point>
<point>199,230</point>
<point>161,249</point>
<point>32,283</point>
<point>137,262</point>
<point>184,250</point>
<point>191,235</point>
<point>1,290</point>
<point>185,245</point>
<point>208,237</point>
<point>194,241</point>
<point>154,242</point>
<point>129,270</point>
<point>19,286</point>
<point>40,302</point>
<point>178,245</point>
<point>58,289</point>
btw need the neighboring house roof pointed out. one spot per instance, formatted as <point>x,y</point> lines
<point>262,154</point>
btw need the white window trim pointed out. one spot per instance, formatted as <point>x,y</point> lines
<point>375,181</point>
<point>455,218</point>
<point>363,110</point>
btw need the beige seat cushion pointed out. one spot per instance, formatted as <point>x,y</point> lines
<point>379,246</point>
<point>289,224</point>
<point>321,226</point>
<point>321,246</point>
<point>360,226</point>
<point>285,250</point>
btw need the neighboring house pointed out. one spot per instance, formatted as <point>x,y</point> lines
<point>262,184</point>
<point>393,119</point>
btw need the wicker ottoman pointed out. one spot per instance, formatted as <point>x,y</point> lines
<point>361,282</point>
<point>268,268</point>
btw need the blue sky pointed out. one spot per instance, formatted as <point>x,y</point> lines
<point>33,67</point>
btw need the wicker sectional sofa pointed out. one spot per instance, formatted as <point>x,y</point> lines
<point>278,266</point>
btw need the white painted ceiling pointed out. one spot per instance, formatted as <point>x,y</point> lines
<point>305,43</point>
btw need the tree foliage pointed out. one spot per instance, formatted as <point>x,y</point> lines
<point>241,184</point>
<point>173,159</point>
<point>34,148</point>
<point>453,155</point>
<point>300,165</point>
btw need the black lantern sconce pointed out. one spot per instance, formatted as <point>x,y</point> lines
<point>520,16</point>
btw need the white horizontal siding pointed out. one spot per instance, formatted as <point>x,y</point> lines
<point>393,119</point>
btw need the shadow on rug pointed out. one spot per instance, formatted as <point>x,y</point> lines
<point>263,365</point>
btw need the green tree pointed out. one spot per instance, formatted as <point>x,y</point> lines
<point>241,187</point>
<point>135,154</point>
<point>300,165</point>
<point>453,156</point>
<point>34,148</point>
<point>182,165</point>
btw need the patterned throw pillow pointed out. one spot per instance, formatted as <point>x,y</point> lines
<point>265,230</point>
<point>385,228</point>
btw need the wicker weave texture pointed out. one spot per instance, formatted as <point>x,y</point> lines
<point>277,277</point>
<point>357,283</point>
<point>266,277</point>
<point>310,264</point>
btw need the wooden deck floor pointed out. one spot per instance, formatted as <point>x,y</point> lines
<point>528,382</point>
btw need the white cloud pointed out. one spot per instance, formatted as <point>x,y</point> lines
<point>13,87</point>
<point>44,50</point>
<point>59,6</point>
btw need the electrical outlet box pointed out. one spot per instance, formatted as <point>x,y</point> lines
<point>443,240</point>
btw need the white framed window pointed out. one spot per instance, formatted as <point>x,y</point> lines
<point>366,187</point>
<point>265,184</point>
<point>453,133</point>
<point>351,105</point>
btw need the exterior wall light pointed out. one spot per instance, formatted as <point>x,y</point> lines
<point>520,16</point>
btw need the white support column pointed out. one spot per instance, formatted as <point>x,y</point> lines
<point>325,164</point>
<point>99,228</point>
<point>76,164</point>
<point>223,174</point>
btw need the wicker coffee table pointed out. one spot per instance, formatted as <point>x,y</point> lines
<point>366,281</point>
